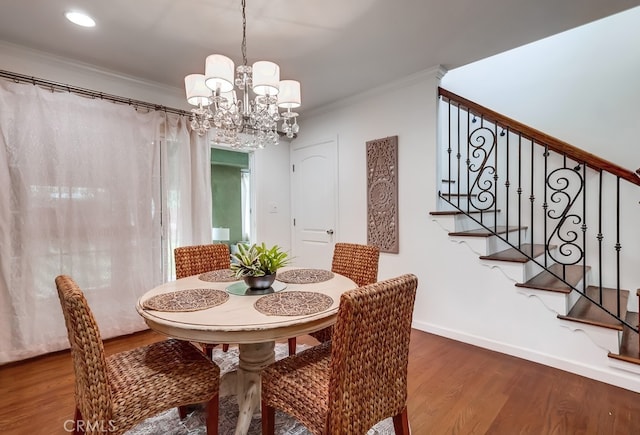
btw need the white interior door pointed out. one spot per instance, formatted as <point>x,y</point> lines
<point>314,203</point>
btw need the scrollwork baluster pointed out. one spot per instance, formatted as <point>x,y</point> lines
<point>559,182</point>
<point>479,140</point>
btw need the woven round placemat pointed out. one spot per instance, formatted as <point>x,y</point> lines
<point>221,275</point>
<point>305,276</point>
<point>294,303</point>
<point>187,300</point>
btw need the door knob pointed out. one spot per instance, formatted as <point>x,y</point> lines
<point>330,232</point>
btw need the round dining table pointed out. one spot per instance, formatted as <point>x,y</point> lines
<point>253,320</point>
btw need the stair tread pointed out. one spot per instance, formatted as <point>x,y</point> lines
<point>481,232</point>
<point>585,311</point>
<point>546,281</point>
<point>516,256</point>
<point>630,347</point>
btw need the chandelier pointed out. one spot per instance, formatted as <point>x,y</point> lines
<point>243,107</point>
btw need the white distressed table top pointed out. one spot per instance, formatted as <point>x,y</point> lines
<point>237,321</point>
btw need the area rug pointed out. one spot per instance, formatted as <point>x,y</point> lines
<point>168,423</point>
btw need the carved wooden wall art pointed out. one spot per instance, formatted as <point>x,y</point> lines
<point>382,194</point>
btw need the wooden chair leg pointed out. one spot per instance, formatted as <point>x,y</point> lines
<point>207,349</point>
<point>78,429</point>
<point>292,346</point>
<point>268,419</point>
<point>212,415</point>
<point>182,412</point>
<point>401,423</point>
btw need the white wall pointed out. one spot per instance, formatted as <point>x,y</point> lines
<point>581,86</point>
<point>458,295</point>
<point>272,170</point>
<point>406,109</point>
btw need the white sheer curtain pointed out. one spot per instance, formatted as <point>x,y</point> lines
<point>79,195</point>
<point>187,183</point>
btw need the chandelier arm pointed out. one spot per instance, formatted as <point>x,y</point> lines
<point>246,108</point>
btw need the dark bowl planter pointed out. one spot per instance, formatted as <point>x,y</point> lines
<point>260,282</point>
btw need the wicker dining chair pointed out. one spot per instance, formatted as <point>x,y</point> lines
<point>114,393</point>
<point>194,260</point>
<point>358,263</point>
<point>359,378</point>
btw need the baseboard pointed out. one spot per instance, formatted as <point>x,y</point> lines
<point>609,375</point>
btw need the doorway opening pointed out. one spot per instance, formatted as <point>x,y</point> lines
<point>231,197</point>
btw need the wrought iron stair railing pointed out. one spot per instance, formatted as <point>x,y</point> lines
<point>500,172</point>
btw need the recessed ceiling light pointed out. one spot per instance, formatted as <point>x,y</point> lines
<point>81,19</point>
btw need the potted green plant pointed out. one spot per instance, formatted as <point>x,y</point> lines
<point>257,265</point>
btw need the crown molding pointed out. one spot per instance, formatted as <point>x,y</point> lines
<point>436,72</point>
<point>28,61</point>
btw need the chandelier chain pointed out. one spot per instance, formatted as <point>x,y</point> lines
<point>244,33</point>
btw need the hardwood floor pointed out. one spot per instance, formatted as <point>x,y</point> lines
<point>454,388</point>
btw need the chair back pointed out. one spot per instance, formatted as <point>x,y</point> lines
<point>93,396</point>
<point>193,260</point>
<point>357,262</point>
<point>370,355</point>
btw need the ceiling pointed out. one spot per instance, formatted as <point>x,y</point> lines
<point>335,48</point>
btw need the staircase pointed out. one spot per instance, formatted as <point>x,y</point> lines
<point>550,216</point>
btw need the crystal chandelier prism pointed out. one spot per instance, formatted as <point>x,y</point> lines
<point>243,104</point>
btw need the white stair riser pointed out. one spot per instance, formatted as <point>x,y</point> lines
<point>463,223</point>
<point>495,244</point>
<point>572,299</point>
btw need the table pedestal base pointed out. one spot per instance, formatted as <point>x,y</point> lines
<point>253,358</point>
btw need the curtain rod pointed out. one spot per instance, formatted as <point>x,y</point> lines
<point>55,86</point>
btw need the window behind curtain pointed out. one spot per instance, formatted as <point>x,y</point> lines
<point>80,196</point>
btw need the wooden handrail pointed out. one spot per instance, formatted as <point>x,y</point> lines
<point>551,142</point>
